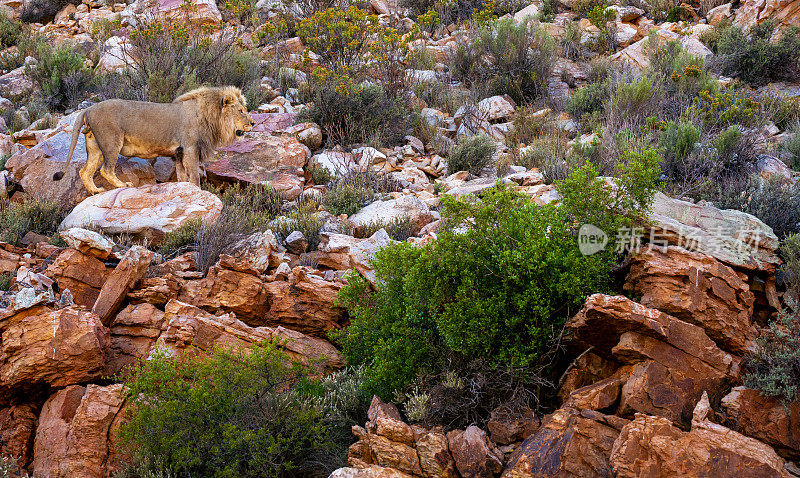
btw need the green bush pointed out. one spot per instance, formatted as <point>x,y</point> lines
<point>350,114</point>
<point>548,154</point>
<point>40,216</point>
<point>348,199</point>
<point>507,58</point>
<point>238,413</point>
<point>472,154</point>
<point>180,240</point>
<point>398,228</point>
<point>495,286</point>
<point>792,145</point>
<point>59,72</point>
<point>754,58</point>
<point>320,174</point>
<point>677,141</point>
<point>11,31</point>
<point>588,99</point>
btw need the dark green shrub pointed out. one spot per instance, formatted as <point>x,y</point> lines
<point>180,240</point>
<point>11,31</point>
<point>356,114</point>
<point>792,145</point>
<point>59,72</point>
<point>399,228</point>
<point>238,413</point>
<point>677,141</point>
<point>588,99</point>
<point>320,174</point>
<point>5,280</point>
<point>472,154</point>
<point>304,220</point>
<point>41,11</point>
<point>343,198</point>
<point>507,58</point>
<point>41,216</point>
<point>754,58</point>
<point>495,286</point>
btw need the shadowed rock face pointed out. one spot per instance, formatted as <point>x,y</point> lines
<point>765,418</point>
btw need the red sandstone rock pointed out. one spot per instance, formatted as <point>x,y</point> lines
<point>17,427</point>
<point>767,419</point>
<point>127,273</point>
<point>474,454</point>
<point>697,289</point>
<point>82,274</point>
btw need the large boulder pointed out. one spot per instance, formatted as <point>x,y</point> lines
<point>128,272</point>
<point>201,12</point>
<point>82,274</point>
<point>635,55</point>
<point>134,331</point>
<point>263,158</point>
<point>653,446</point>
<point>570,442</point>
<point>75,433</point>
<point>670,362</point>
<point>752,12</point>
<point>698,289</point>
<point>474,454</point>
<point>343,252</point>
<point>383,212</point>
<point>751,413</point>
<point>303,302</point>
<point>33,169</point>
<point>41,347</point>
<point>733,237</point>
<point>146,210</point>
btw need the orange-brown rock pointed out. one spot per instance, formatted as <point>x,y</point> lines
<point>698,289</point>
<point>157,290</point>
<point>134,331</point>
<point>127,273</point>
<point>653,446</point>
<point>82,274</point>
<point>597,396</point>
<point>17,427</point>
<point>508,425</point>
<point>671,362</point>
<point>569,443</point>
<point>434,455</point>
<point>73,438</point>
<point>767,419</point>
<point>186,325</point>
<point>54,347</point>
<point>586,369</point>
<point>371,471</point>
<point>304,302</point>
<point>474,454</point>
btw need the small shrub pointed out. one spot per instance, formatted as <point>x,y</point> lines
<point>718,111</point>
<point>792,145</point>
<point>632,102</point>
<point>472,154</point>
<point>5,280</point>
<point>41,216</point>
<point>677,142</point>
<point>548,154</point>
<point>343,198</point>
<point>306,221</point>
<point>776,204</point>
<point>507,58</point>
<point>320,174</point>
<point>11,31</point>
<point>239,413</point>
<point>588,99</point>
<point>604,19</point>
<point>755,58</point>
<point>398,228</point>
<point>59,72</point>
<point>180,240</point>
<point>787,111</point>
<point>526,127</point>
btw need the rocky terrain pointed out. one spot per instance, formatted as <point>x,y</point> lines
<point>649,380</point>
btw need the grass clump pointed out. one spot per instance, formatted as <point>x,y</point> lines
<point>181,239</point>
<point>472,154</point>
<point>40,216</point>
<point>753,56</point>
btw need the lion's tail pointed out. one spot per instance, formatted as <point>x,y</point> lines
<point>76,130</point>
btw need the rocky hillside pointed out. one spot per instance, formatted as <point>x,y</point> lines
<point>463,239</point>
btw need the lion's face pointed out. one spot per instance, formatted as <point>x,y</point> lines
<point>241,119</point>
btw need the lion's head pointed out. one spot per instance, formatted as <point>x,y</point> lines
<point>223,111</point>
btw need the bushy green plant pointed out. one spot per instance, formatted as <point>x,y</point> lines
<point>181,239</point>
<point>471,154</point>
<point>5,280</point>
<point>11,30</point>
<point>398,228</point>
<point>507,58</point>
<point>320,174</point>
<point>344,198</point>
<point>677,142</point>
<point>588,99</point>
<point>59,72</point>
<point>792,145</point>
<point>755,58</point>
<point>41,216</point>
<point>632,102</point>
<point>775,203</point>
<point>548,154</point>
<point>495,286</point>
<point>238,413</point>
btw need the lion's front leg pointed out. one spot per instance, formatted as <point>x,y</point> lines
<point>191,165</point>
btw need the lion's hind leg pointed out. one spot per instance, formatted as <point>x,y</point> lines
<point>111,145</point>
<point>94,160</point>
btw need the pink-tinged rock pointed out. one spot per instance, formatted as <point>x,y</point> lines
<point>753,12</point>
<point>188,326</point>
<point>764,418</point>
<point>509,425</point>
<point>371,471</point>
<point>146,210</point>
<point>34,169</point>
<point>75,433</point>
<point>652,446</point>
<point>53,347</point>
<point>698,289</point>
<point>269,122</point>
<point>202,12</point>
<point>260,158</point>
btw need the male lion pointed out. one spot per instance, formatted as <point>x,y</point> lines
<point>188,130</point>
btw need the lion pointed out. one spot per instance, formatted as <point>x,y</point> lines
<point>188,130</point>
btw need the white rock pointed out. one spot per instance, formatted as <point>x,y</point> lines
<point>88,242</point>
<point>385,211</point>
